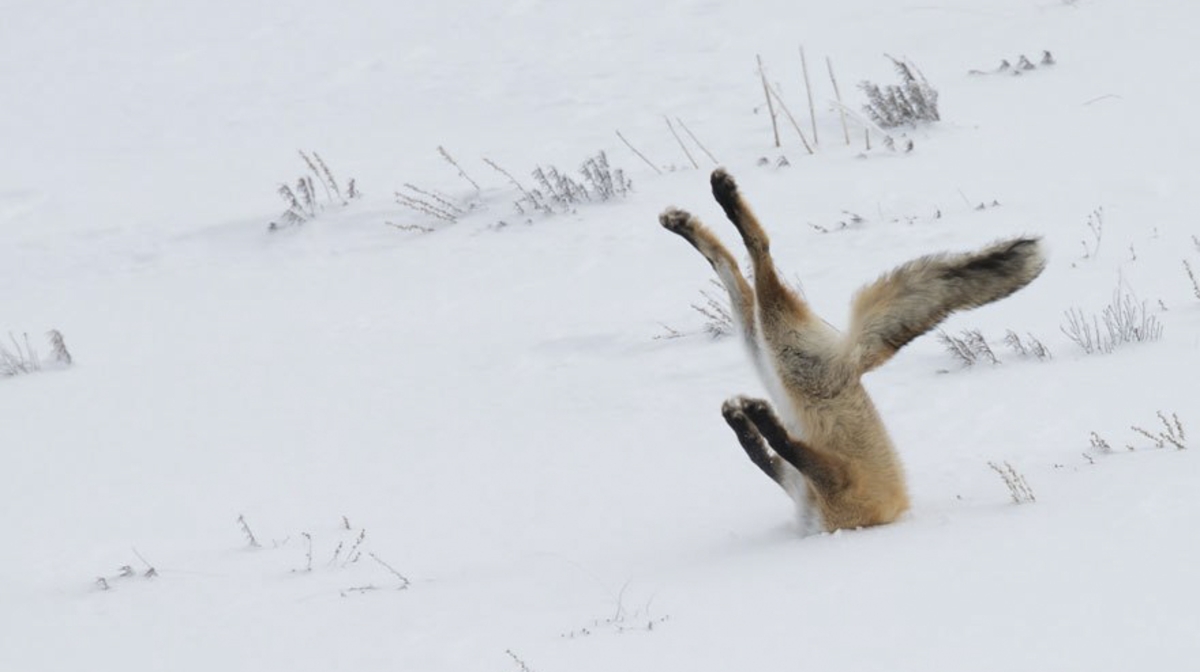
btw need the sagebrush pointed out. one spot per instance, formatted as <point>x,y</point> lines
<point>911,101</point>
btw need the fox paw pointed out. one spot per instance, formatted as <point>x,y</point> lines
<point>677,221</point>
<point>732,411</point>
<point>724,188</point>
<point>759,412</point>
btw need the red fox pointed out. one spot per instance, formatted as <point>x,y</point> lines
<point>831,452</point>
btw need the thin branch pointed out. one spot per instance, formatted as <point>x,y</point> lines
<point>842,108</point>
<point>812,113</point>
<point>696,140</point>
<point>770,106</point>
<point>680,141</point>
<point>461,173</point>
<point>640,155</point>
<point>792,119</point>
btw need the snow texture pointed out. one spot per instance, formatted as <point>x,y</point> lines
<point>494,442</point>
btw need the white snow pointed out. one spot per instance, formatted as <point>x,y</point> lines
<point>491,404</point>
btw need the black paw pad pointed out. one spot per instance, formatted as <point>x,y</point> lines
<point>724,188</point>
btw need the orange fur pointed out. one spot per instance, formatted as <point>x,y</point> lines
<point>830,432</point>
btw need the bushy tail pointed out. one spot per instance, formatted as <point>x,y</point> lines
<point>912,299</point>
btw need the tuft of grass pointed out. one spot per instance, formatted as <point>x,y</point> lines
<point>1171,433</point>
<point>1123,320</point>
<point>718,321</point>
<point>969,349</point>
<point>1018,488</point>
<point>303,202</point>
<point>1099,444</point>
<point>1095,225</point>
<point>1031,348</point>
<point>434,204</point>
<point>18,355</point>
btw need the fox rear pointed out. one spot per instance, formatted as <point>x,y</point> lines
<point>831,451</point>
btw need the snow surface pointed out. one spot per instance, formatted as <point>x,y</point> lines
<point>491,405</point>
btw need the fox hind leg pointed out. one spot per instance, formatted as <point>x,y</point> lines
<point>774,298</point>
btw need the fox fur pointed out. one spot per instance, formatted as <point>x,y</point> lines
<point>831,452</point>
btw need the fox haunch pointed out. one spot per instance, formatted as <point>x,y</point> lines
<point>831,450</point>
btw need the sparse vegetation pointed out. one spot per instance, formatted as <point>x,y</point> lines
<point>1099,444</point>
<point>303,203</point>
<point>1032,347</point>
<point>1123,320</point>
<point>1024,64</point>
<point>969,349</point>
<point>622,620</point>
<point>127,572</point>
<point>18,355</point>
<point>1018,488</point>
<point>1095,225</point>
<point>718,321</point>
<point>251,540</point>
<point>1171,433</point>
<point>1192,276</point>
<point>436,205</point>
<point>521,664</point>
<point>911,101</point>
<point>560,193</point>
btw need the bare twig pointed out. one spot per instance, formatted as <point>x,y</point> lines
<point>1173,432</point>
<point>842,108</point>
<point>424,207</point>
<point>770,106</point>
<point>635,151</point>
<point>315,171</point>
<point>680,141</point>
<point>696,140</point>
<point>522,665</point>
<point>461,173</point>
<point>812,112</point>
<point>150,572</point>
<point>1192,276</point>
<point>307,551</point>
<point>404,582</point>
<point>354,554</point>
<point>246,530</point>
<point>792,119</point>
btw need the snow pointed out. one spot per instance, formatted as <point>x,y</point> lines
<point>491,404</point>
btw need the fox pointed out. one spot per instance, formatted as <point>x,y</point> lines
<point>823,441</point>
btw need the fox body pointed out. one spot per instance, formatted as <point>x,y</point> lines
<point>831,452</point>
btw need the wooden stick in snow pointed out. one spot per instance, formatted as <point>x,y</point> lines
<point>680,141</point>
<point>812,114</point>
<point>767,92</point>
<point>640,155</point>
<point>792,119</point>
<point>696,140</point>
<point>838,94</point>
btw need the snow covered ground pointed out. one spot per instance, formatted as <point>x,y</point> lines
<point>473,448</point>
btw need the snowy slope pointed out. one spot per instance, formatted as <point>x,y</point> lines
<point>492,412</point>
